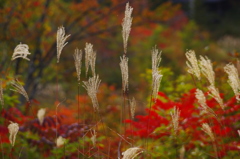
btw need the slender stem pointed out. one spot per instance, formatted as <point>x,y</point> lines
<point>149,110</point>
<point>194,81</point>
<point>56,106</point>
<point>79,120</point>
<point>176,146</point>
<point>105,130</point>
<point>56,128</point>
<point>20,153</point>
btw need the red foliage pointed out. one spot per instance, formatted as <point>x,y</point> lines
<point>190,121</point>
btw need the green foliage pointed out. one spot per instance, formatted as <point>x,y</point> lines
<point>174,86</point>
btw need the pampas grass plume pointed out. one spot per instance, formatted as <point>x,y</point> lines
<point>131,153</point>
<point>41,114</point>
<point>13,130</point>
<point>21,51</point>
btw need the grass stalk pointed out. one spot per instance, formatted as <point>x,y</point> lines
<point>149,110</point>
<point>78,90</point>
<point>56,107</point>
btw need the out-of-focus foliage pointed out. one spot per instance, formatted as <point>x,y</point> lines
<point>34,136</point>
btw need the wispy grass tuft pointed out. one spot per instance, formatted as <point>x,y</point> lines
<point>207,69</point>
<point>124,71</point>
<point>233,79</point>
<point>126,26</point>
<point>131,153</point>
<point>78,62</point>
<point>192,63</point>
<point>21,51</point>
<point>41,115</point>
<point>13,130</point>
<point>90,58</point>
<point>19,88</point>
<point>92,88</point>
<point>61,41</point>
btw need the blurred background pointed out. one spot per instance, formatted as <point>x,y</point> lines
<point>210,27</point>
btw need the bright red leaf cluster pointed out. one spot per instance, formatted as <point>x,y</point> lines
<point>191,119</point>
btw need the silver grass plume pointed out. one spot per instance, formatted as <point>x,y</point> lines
<point>60,141</point>
<point>124,71</point>
<point>206,128</point>
<point>132,107</point>
<point>90,58</point>
<point>131,153</point>
<point>233,79</point>
<point>41,114</point>
<point>175,119</point>
<point>157,77</point>
<point>92,87</point>
<point>78,62</point>
<point>202,102</point>
<point>1,94</point>
<point>126,26</point>
<point>94,137</point>
<point>207,69</point>
<point>215,94</point>
<point>61,41</point>
<point>13,130</point>
<point>156,59</point>
<point>19,88</point>
<point>192,64</point>
<point>21,51</point>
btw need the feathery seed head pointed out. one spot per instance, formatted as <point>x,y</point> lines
<point>94,137</point>
<point>19,88</point>
<point>1,94</point>
<point>90,58</point>
<point>156,59</point>
<point>131,153</point>
<point>61,41</point>
<point>126,26</point>
<point>206,128</point>
<point>215,94</point>
<point>78,62</point>
<point>124,71</point>
<point>233,79</point>
<point>41,114</point>
<point>21,51</point>
<point>60,141</point>
<point>132,107</point>
<point>202,102</point>
<point>157,77</point>
<point>207,69</point>
<point>200,97</point>
<point>92,87</point>
<point>175,119</point>
<point>192,64</point>
<point>13,130</point>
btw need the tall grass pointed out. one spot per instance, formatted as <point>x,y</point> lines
<point>126,149</point>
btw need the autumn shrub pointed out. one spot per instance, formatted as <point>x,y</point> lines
<point>190,135</point>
